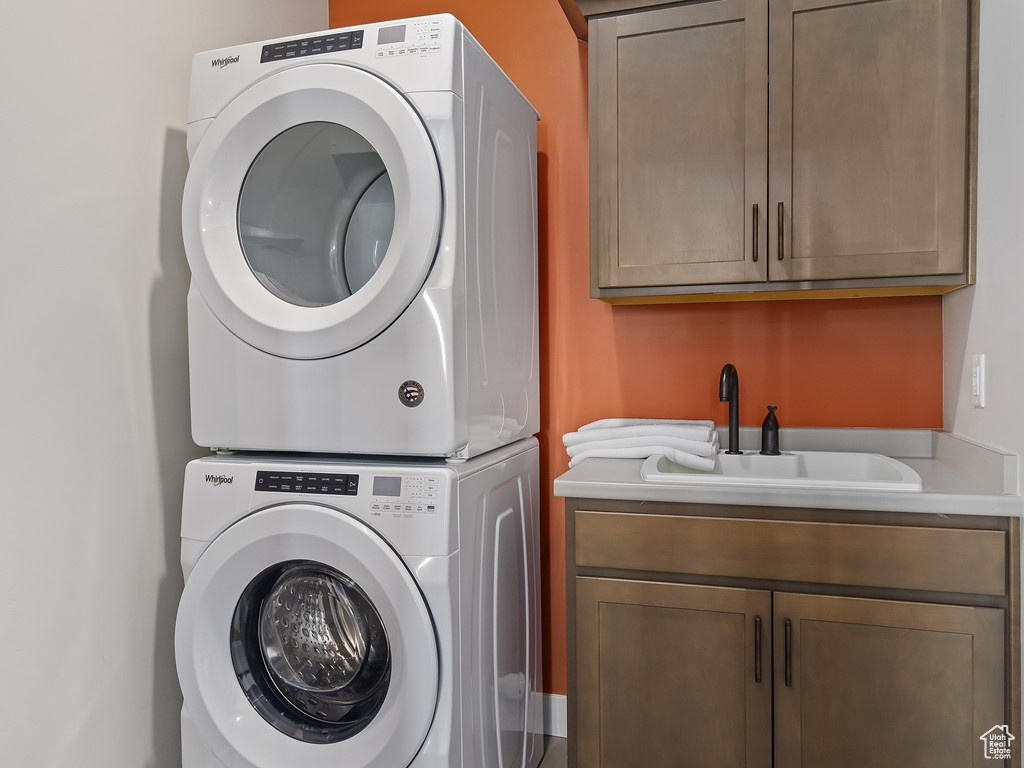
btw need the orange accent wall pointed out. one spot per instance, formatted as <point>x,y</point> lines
<point>837,363</point>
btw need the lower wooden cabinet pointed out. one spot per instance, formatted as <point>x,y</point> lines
<point>885,682</point>
<point>668,671</point>
<point>671,670</point>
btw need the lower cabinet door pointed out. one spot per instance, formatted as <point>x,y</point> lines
<point>884,683</point>
<point>672,675</point>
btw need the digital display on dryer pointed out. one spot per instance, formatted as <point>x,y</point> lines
<point>388,35</point>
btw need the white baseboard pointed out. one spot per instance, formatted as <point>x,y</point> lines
<point>555,718</point>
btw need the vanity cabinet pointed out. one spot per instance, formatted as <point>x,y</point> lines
<point>757,148</point>
<point>738,636</point>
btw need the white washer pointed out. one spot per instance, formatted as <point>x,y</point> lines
<point>361,615</point>
<point>360,220</point>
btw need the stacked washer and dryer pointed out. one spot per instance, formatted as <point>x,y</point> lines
<point>361,552</point>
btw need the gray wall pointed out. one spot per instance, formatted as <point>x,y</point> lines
<point>94,427</point>
<point>988,318</point>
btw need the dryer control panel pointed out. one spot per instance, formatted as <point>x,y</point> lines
<point>412,39</point>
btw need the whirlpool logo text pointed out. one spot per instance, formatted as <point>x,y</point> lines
<point>219,480</point>
<point>221,63</point>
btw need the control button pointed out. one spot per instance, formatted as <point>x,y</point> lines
<point>299,487</point>
<point>339,490</point>
<point>375,507</point>
<point>357,39</point>
<point>324,489</point>
<point>408,507</point>
<point>419,507</point>
<point>387,507</point>
<point>286,487</point>
<point>431,508</point>
<point>271,487</point>
<point>353,485</point>
<point>380,54</point>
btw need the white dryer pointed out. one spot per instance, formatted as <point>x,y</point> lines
<point>360,220</point>
<point>361,615</point>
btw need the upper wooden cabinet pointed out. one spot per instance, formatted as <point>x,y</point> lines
<point>762,147</point>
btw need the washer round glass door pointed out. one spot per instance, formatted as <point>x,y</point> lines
<point>326,657</point>
<point>310,651</point>
<point>312,210</point>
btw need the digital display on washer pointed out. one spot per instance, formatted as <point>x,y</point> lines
<point>329,42</point>
<point>327,483</point>
<point>387,486</point>
<point>388,35</point>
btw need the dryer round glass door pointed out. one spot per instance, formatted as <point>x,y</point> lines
<point>312,210</point>
<point>316,214</point>
<point>303,639</point>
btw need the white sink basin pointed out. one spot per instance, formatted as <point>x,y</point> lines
<point>795,469</point>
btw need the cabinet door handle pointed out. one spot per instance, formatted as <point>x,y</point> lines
<point>757,639</point>
<point>789,653</point>
<point>782,231</point>
<point>754,230</point>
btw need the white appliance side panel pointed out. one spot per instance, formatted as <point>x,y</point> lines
<point>535,703</point>
<point>499,631</point>
<point>501,255</point>
<point>429,67</point>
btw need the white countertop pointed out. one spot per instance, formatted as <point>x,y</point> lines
<point>959,477</point>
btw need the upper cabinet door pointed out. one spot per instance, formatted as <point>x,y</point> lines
<point>868,149</point>
<point>679,145</point>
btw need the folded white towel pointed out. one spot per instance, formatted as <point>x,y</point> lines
<point>698,448</point>
<point>705,463</point>
<point>699,434</point>
<point>604,423</point>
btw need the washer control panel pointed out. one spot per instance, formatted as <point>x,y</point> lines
<point>404,494</point>
<point>311,46</point>
<point>413,39</point>
<point>327,483</point>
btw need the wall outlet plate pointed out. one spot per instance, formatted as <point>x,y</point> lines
<point>978,381</point>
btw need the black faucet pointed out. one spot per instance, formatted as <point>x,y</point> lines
<point>729,391</point>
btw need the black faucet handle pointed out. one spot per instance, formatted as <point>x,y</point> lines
<point>770,433</point>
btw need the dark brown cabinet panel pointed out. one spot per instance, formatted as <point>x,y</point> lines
<point>679,142</point>
<point>672,675</point>
<point>769,147</point>
<point>868,138</point>
<point>884,682</point>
